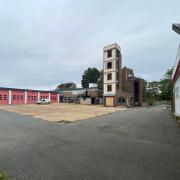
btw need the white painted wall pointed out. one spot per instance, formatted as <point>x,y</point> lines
<point>177,61</point>
<point>113,80</point>
<point>111,93</point>
<point>113,70</point>
<point>85,101</point>
<point>177,96</point>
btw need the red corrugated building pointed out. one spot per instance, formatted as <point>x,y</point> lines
<point>17,97</point>
<point>4,96</point>
<point>26,96</point>
<point>32,97</point>
<point>44,95</point>
<point>54,97</point>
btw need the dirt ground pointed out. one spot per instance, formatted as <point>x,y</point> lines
<point>61,112</point>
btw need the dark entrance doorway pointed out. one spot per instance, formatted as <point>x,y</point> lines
<point>136,93</point>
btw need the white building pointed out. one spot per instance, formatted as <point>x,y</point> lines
<point>176,84</point>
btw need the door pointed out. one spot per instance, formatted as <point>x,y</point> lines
<point>110,101</point>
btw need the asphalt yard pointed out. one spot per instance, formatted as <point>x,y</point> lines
<point>137,144</point>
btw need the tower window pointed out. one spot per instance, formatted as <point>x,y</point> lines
<point>117,53</point>
<point>117,76</point>
<point>117,86</point>
<point>109,53</point>
<point>109,65</point>
<point>117,64</point>
<point>109,88</point>
<point>109,76</point>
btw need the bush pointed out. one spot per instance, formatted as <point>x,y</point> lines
<point>3,175</point>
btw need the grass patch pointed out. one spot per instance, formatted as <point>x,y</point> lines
<point>3,175</point>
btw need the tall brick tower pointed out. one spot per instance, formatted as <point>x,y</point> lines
<point>112,65</point>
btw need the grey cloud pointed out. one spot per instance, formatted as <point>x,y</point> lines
<point>44,43</point>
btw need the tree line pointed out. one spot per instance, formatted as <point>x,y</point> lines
<point>162,89</point>
<point>90,75</point>
<point>156,90</point>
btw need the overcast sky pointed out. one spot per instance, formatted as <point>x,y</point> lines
<point>47,42</point>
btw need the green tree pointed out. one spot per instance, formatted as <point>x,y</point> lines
<point>3,175</point>
<point>166,85</point>
<point>100,81</point>
<point>160,90</point>
<point>153,92</point>
<point>66,86</point>
<point>91,75</point>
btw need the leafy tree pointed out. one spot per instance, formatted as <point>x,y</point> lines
<point>153,91</point>
<point>91,75</point>
<point>150,97</point>
<point>166,85</point>
<point>160,90</point>
<point>3,175</point>
<point>100,81</point>
<point>66,86</point>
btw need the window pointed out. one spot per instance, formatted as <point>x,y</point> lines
<point>117,65</point>
<point>21,97</point>
<point>0,97</point>
<point>14,97</point>
<point>109,53</point>
<point>17,97</point>
<point>28,97</point>
<point>117,53</point>
<point>5,97</point>
<point>130,76</point>
<point>122,100</point>
<point>109,88</point>
<point>109,65</point>
<point>117,76</point>
<point>117,86</point>
<point>109,76</point>
<point>34,97</point>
